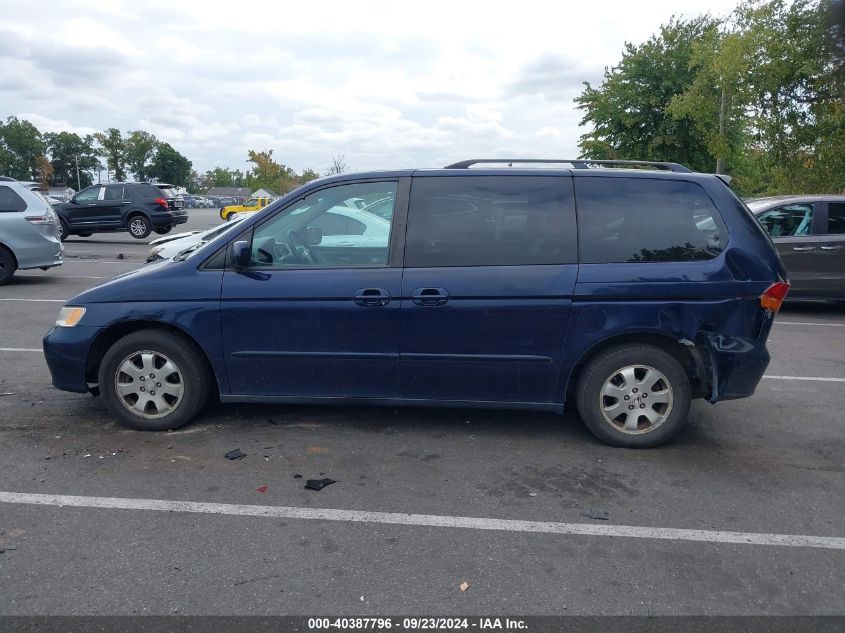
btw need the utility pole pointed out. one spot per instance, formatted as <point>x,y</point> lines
<point>78,181</point>
<point>723,107</point>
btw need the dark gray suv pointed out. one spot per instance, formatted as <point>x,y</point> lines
<point>809,234</point>
<point>137,207</point>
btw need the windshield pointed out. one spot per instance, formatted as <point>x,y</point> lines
<point>208,236</point>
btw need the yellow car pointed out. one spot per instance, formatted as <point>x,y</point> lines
<point>251,205</point>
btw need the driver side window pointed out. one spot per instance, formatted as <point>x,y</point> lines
<point>327,230</point>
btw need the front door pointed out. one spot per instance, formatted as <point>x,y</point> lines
<point>791,229</point>
<point>82,210</point>
<point>315,315</point>
<point>490,268</point>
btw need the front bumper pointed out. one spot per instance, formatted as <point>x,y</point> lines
<point>66,351</point>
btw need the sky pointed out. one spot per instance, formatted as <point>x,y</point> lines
<point>384,84</point>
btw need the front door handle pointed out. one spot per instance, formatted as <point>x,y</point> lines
<point>835,247</point>
<point>430,296</point>
<point>803,248</point>
<point>371,297</point>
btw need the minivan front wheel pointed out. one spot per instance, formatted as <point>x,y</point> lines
<point>139,227</point>
<point>154,381</point>
<point>634,396</point>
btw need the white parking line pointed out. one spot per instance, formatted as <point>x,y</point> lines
<point>21,349</point>
<point>813,378</point>
<point>809,323</point>
<point>428,520</point>
<point>37,300</point>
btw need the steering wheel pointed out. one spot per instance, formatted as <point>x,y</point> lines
<point>299,246</point>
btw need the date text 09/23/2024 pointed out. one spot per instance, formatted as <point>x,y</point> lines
<point>417,623</point>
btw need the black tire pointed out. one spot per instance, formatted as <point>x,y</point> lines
<point>86,234</point>
<point>164,230</point>
<point>139,226</point>
<point>8,266</point>
<point>599,371</point>
<point>194,374</point>
<point>64,232</point>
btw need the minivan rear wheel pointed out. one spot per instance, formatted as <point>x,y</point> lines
<point>154,381</point>
<point>7,265</point>
<point>139,227</point>
<point>634,396</point>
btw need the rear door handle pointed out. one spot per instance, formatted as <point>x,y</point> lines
<point>835,247</point>
<point>372,297</point>
<point>803,248</point>
<point>430,296</point>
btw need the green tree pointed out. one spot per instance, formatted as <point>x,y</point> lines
<point>308,175</point>
<point>170,166</point>
<point>269,174</point>
<point>21,145</point>
<point>113,149</point>
<point>65,149</point>
<point>628,113</point>
<point>140,148</point>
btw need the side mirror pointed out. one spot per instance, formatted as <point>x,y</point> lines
<point>313,235</point>
<point>241,255</point>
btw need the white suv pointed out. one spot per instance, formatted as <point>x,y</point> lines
<point>28,230</point>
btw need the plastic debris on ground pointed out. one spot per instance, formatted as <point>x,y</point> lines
<point>297,476</point>
<point>464,585</point>
<point>601,515</point>
<point>318,484</point>
<point>235,454</point>
<point>261,488</point>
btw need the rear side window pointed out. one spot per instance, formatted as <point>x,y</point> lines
<point>490,221</point>
<point>147,191</point>
<point>114,193</point>
<point>646,220</point>
<point>10,201</point>
<point>836,218</point>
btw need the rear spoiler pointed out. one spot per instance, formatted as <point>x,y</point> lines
<point>724,178</point>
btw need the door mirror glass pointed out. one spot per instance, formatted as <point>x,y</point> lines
<point>314,235</point>
<point>241,254</point>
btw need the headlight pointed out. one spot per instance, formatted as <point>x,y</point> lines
<point>69,316</point>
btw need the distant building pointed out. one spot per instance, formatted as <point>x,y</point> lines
<point>264,193</point>
<point>233,192</point>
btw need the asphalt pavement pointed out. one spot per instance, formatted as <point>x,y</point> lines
<point>715,523</point>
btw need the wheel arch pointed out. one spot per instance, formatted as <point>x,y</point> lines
<point>133,212</point>
<point>685,354</point>
<point>11,252</point>
<point>110,335</point>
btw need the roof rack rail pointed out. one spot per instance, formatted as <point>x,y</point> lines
<point>577,163</point>
<point>7,179</point>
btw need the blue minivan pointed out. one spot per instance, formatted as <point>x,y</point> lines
<point>628,289</point>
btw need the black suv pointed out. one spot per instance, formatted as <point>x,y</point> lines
<point>137,207</point>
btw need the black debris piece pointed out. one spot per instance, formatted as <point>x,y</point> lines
<point>235,454</point>
<point>297,476</point>
<point>318,484</point>
<point>120,256</point>
<point>601,515</point>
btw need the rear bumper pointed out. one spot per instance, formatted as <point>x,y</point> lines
<point>66,352</point>
<point>737,365</point>
<point>38,251</point>
<point>169,219</point>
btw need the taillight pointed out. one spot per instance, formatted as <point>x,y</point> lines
<point>774,296</point>
<point>162,202</point>
<point>39,219</point>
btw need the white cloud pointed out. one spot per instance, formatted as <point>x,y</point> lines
<point>384,84</point>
